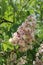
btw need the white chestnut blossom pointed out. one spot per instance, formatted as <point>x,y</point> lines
<point>39,56</point>
<point>24,36</point>
<point>22,60</point>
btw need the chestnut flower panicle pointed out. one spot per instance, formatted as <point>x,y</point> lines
<point>39,56</point>
<point>22,60</point>
<point>24,36</point>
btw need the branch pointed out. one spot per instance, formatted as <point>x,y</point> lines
<point>4,20</point>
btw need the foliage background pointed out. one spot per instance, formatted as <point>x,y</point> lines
<point>12,14</point>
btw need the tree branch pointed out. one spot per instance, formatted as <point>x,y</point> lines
<point>4,20</point>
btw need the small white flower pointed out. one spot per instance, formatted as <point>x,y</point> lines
<point>37,54</point>
<point>10,40</point>
<point>33,62</point>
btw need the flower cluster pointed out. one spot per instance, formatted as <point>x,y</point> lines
<point>24,36</point>
<point>13,59</point>
<point>22,60</point>
<point>39,56</point>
